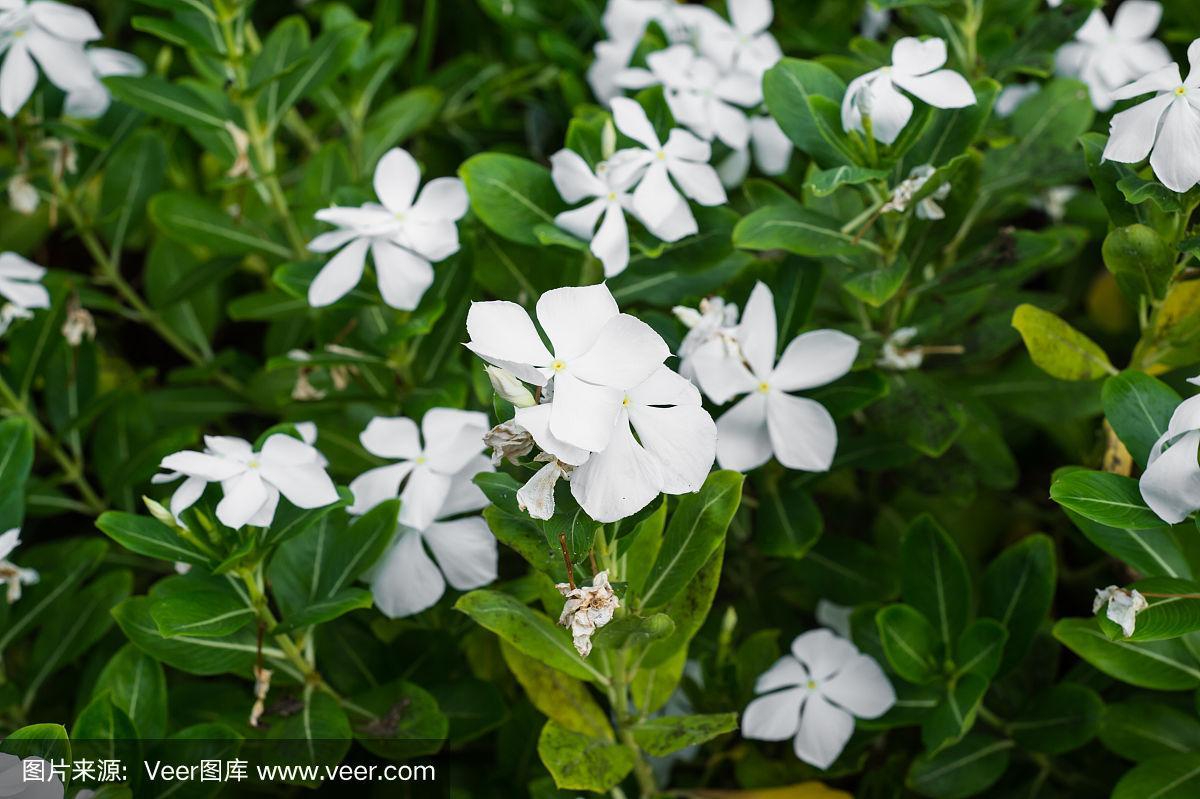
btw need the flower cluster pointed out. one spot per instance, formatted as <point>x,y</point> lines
<point>1106,57</point>
<point>55,36</point>
<point>405,233</point>
<point>729,361</point>
<point>814,694</point>
<point>601,380</point>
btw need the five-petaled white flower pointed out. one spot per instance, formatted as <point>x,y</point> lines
<point>915,70</point>
<point>11,574</point>
<point>798,431</point>
<point>91,100</point>
<point>587,609</point>
<point>453,439</point>
<point>1123,606</point>
<point>465,554</point>
<point>656,201</point>
<point>1171,483</point>
<point>251,481</point>
<point>576,181</point>
<point>813,696</point>
<point>403,236</point>
<point>54,35</point>
<point>1106,57</point>
<point>20,285</point>
<point>744,44</point>
<point>1168,124</point>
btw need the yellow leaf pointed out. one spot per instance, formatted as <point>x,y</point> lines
<point>801,790</point>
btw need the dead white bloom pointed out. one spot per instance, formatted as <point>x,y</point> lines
<point>536,497</point>
<point>587,609</point>
<point>896,353</point>
<point>79,324</point>
<point>1123,606</point>
<point>22,196</point>
<point>908,188</point>
<point>509,388</point>
<point>262,684</point>
<point>241,146</point>
<point>304,390</point>
<point>63,157</point>
<point>508,441</point>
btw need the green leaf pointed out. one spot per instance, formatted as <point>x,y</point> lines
<point>666,734</point>
<point>1059,719</point>
<point>16,461</point>
<point>952,131</point>
<point>511,195</point>
<point>169,101</point>
<point>581,763</point>
<point>934,579</point>
<point>283,51</point>
<point>791,90</point>
<point>528,631</point>
<point>1059,349</point>
<point>688,609</point>
<point>846,571</point>
<point>398,119</point>
<point>955,715</point>
<point>965,769</point>
<point>1140,260</point>
<point>1109,499</point>
<point>135,172</point>
<point>1151,552</point>
<point>62,566</point>
<point>564,700</point>
<point>795,229</point>
<point>653,687</point>
<point>47,741</point>
<point>1138,190</point>
<point>1105,175</point>
<point>148,536</point>
<point>235,654</point>
<point>788,522</point>
<point>1139,408</point>
<point>696,530</point>
<point>909,641</point>
<point>1166,777</point>
<point>877,286</point>
<point>328,609</point>
<point>980,648</point>
<point>327,58</point>
<point>826,181</point>
<point>214,611</point>
<point>632,631</point>
<point>1017,590</point>
<point>136,683</point>
<point>407,721</point>
<point>318,734</point>
<point>310,571</point>
<point>1165,617</point>
<point>1139,730</point>
<point>1159,665</point>
<point>193,220</point>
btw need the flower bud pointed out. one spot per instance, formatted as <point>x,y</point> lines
<point>505,384</point>
<point>159,512</point>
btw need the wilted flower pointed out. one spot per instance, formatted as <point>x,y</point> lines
<point>1168,124</point>
<point>79,323</point>
<point>813,696</point>
<point>403,236</point>
<point>453,439</point>
<point>536,497</point>
<point>714,319</point>
<point>22,195</point>
<point>1106,57</point>
<point>915,69</point>
<point>251,481</point>
<point>575,181</point>
<point>1171,483</point>
<point>508,441</point>
<point>587,610</point>
<point>11,574</point>
<point>1123,606</point>
<point>262,684</point>
<point>896,354</point>
<point>52,34</point>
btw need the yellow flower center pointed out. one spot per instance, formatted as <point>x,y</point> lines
<point>662,155</point>
<point>420,460</point>
<point>1181,91</point>
<point>558,365</point>
<point>612,195</point>
<point>253,464</point>
<point>811,684</point>
<point>764,387</point>
<point>625,402</point>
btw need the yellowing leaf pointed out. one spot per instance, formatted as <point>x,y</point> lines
<point>1059,349</point>
<point>801,790</point>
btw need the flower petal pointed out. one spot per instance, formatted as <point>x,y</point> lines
<point>536,420</point>
<point>18,78</point>
<point>452,437</point>
<point>186,495</point>
<point>403,276</point>
<point>441,199</point>
<point>823,653</point>
<point>332,240</point>
<point>423,496</point>
<point>676,223</point>
<point>656,198</point>
<point>742,439</point>
<point>244,497</point>
<point>581,222</point>
<point>65,21</point>
<point>304,483</point>
<point>773,717</point>
<point>784,673</point>
<point>1136,19</point>
<point>751,16</point>
<point>803,435</point>
<point>1165,79</point>
<point>464,496</point>
<point>391,437</point>
<point>626,352</point>
<point>814,359</point>
<point>620,480</point>
<point>582,414</point>
<point>574,316</point>
<point>684,441</point>
<point>573,177</point>
<point>1176,156</point>
<point>630,118</point>
<point>824,731</point>
<point>611,242</point>
<point>503,334</point>
<point>1171,484</point>
<point>24,295</point>
<point>1132,132</point>
<point>699,181</point>
<point>466,551</point>
<point>65,63</point>
<point>340,275</point>
<point>911,56</point>
<point>199,464</point>
<point>772,148</point>
<point>377,485</point>
<point>942,89</point>
<point>756,333</point>
<point>890,110</point>
<point>664,387</point>
<point>861,687</point>
<point>406,581</point>
<point>396,179</point>
<point>720,372</point>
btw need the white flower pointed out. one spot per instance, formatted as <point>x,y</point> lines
<point>599,354</point>
<point>404,236</point>
<point>91,101</point>
<point>672,453</point>
<point>536,497</point>
<point>714,319</point>
<point>1012,96</point>
<point>1106,57</point>
<point>250,481</point>
<point>699,95</point>
<point>896,354</point>
<point>20,283</point>
<point>1123,606</point>
<point>11,574</point>
<point>587,610</point>
<point>42,783</point>
<point>465,554</point>
<point>772,151</point>
<point>745,45</point>
<point>51,33</point>
<point>915,69</point>
<point>575,181</point>
<point>1168,124</point>
<point>656,201</point>
<point>626,20</point>
<point>1171,483</point>
<point>814,694</point>
<point>22,195</point>
<point>798,431</point>
<point>509,388</point>
<point>453,438</point>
